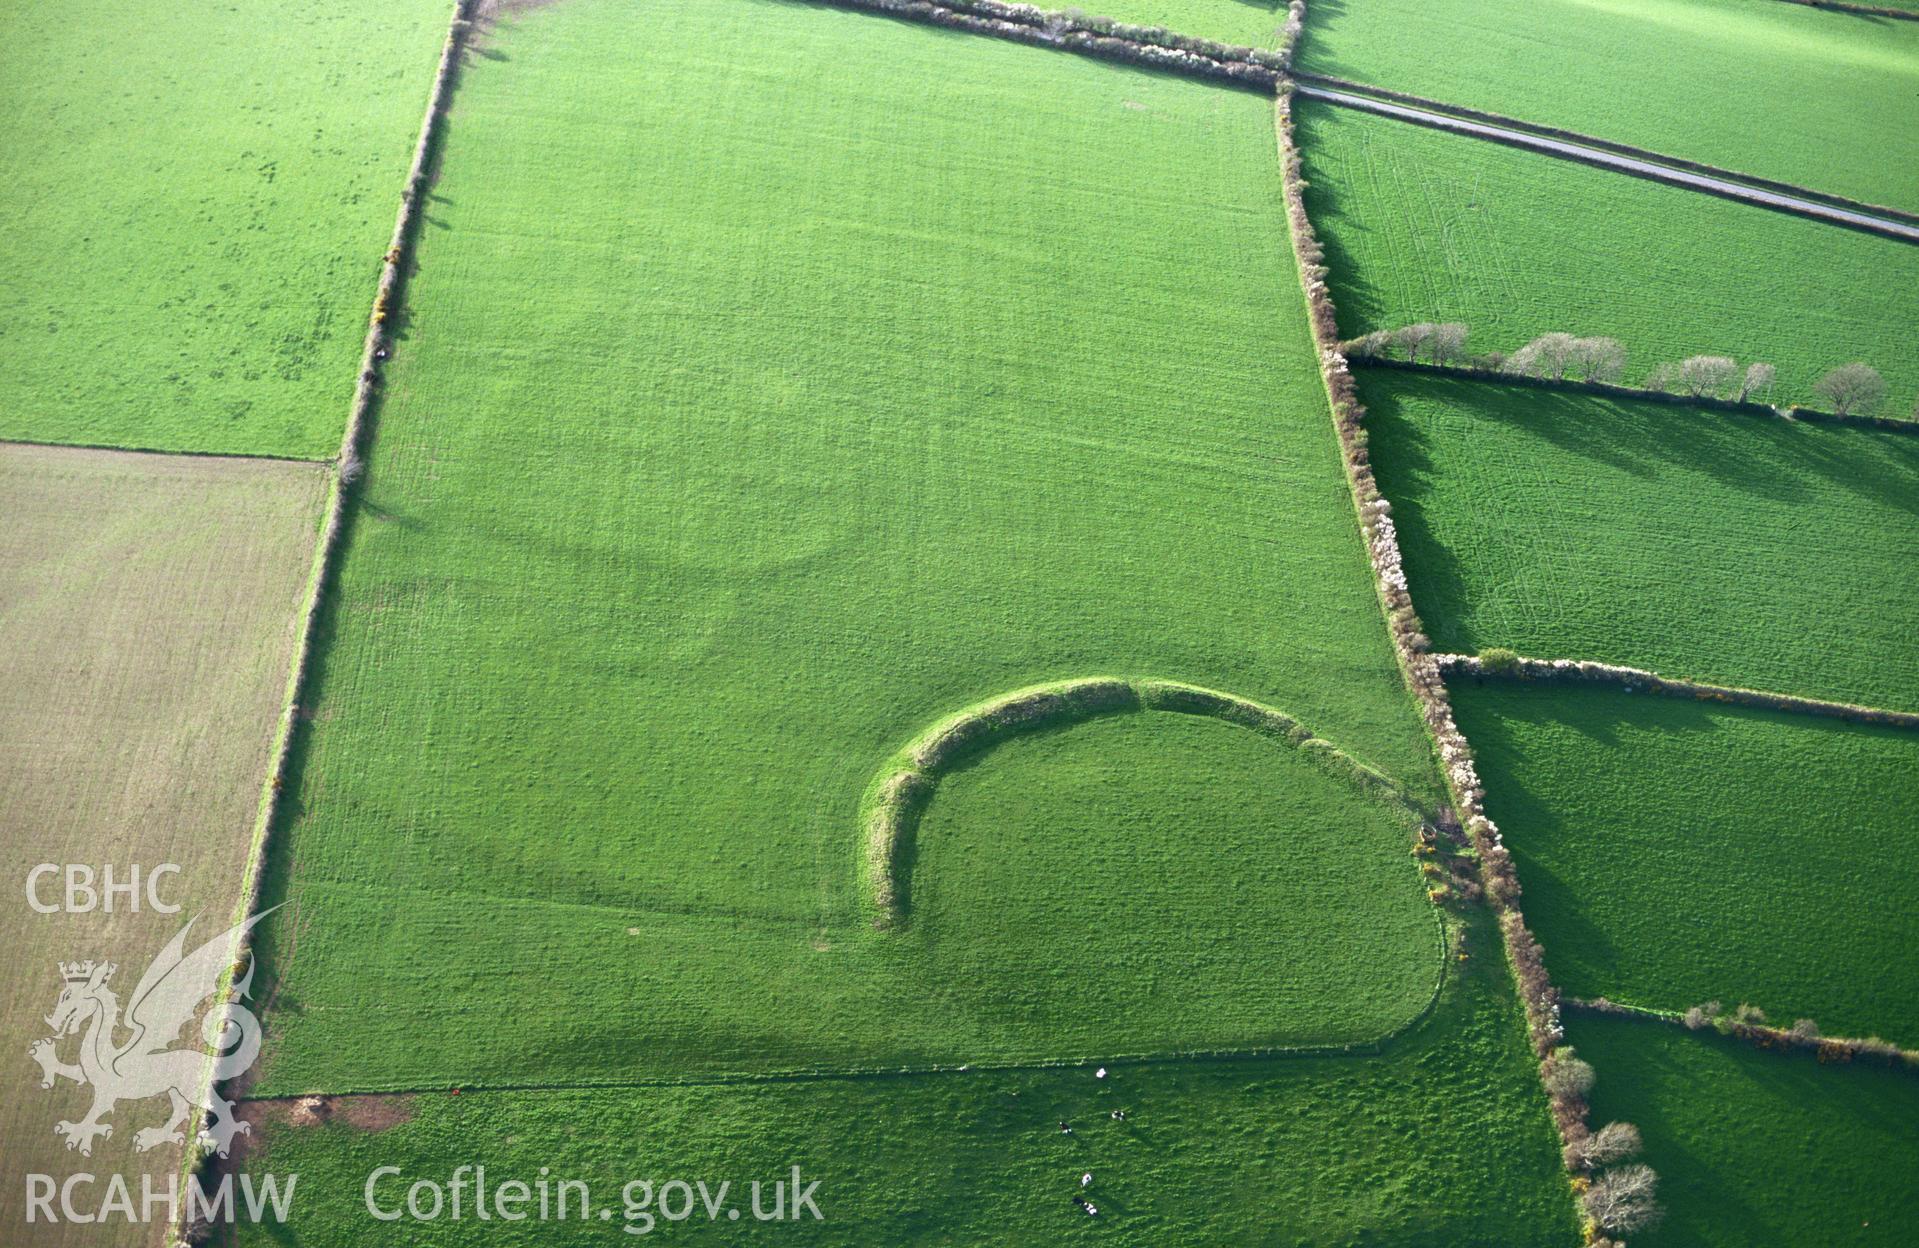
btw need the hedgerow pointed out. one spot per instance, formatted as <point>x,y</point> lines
<point>1538,996</point>
<point>1503,662</point>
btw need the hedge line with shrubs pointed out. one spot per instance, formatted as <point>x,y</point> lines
<point>1748,1023</point>
<point>1560,1070</point>
<point>1613,390</point>
<point>1506,663</point>
<point>1150,46</point>
<point>347,471</point>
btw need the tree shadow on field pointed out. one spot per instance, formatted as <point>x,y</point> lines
<point>1402,459</point>
<point>1357,302</point>
<point>1534,829</point>
<point>1760,455</point>
<point>1320,15</point>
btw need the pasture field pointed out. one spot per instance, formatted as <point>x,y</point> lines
<point>1442,1141</point>
<point>1568,525</point>
<point>1676,852</point>
<point>1824,100</point>
<point>1420,225</point>
<point>1758,1148</point>
<point>198,199</point>
<point>149,607</point>
<point>1304,910</point>
<point>1267,905</point>
<point>890,405</point>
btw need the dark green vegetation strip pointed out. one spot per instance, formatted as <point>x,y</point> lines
<point>1439,1142</point>
<point>1758,1148</point>
<point>196,201</point>
<point>925,411</point>
<point>1421,225</point>
<point>1839,95</point>
<point>1615,519</point>
<point>1676,852</point>
<point>900,794</point>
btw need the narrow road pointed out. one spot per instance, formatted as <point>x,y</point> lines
<point>1653,170</point>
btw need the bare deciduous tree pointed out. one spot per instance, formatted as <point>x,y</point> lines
<point>1701,375</point>
<point>1448,342</point>
<point>1599,359</point>
<point>1413,338</point>
<point>1548,355</point>
<point>1852,388</point>
<point>1624,1200</point>
<point>1661,378</point>
<point>1758,381</point>
<point>1614,1142</point>
<point>1377,345</point>
<point>1700,1017</point>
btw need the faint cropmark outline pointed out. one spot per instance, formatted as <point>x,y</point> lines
<point>165,1000</point>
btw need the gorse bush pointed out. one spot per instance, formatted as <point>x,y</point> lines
<point>1499,661</point>
<point>1567,1074</point>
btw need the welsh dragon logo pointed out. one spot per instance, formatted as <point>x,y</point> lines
<point>142,1065</point>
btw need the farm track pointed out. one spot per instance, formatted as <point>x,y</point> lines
<point>1636,166</point>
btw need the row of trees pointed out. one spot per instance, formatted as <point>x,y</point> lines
<point>1619,1195</point>
<point>1854,389</point>
<point>1440,344</point>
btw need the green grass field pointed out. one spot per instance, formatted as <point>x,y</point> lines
<point>149,608</point>
<point>923,413</point>
<point>1441,1142</point>
<point>198,199</point>
<point>1420,225</point>
<point>1570,526</point>
<point>1675,852</point>
<point>1092,844</point>
<point>1824,100</point>
<point>1759,1148</point>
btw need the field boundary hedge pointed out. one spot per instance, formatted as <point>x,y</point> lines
<point>894,802</point>
<point>1538,996</point>
<point>1465,113</point>
<point>1869,10</point>
<point>1521,667</point>
<point>1828,1049</point>
<point>1613,390</point>
<point>157,450</point>
<point>346,472</point>
<point>1152,47</point>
